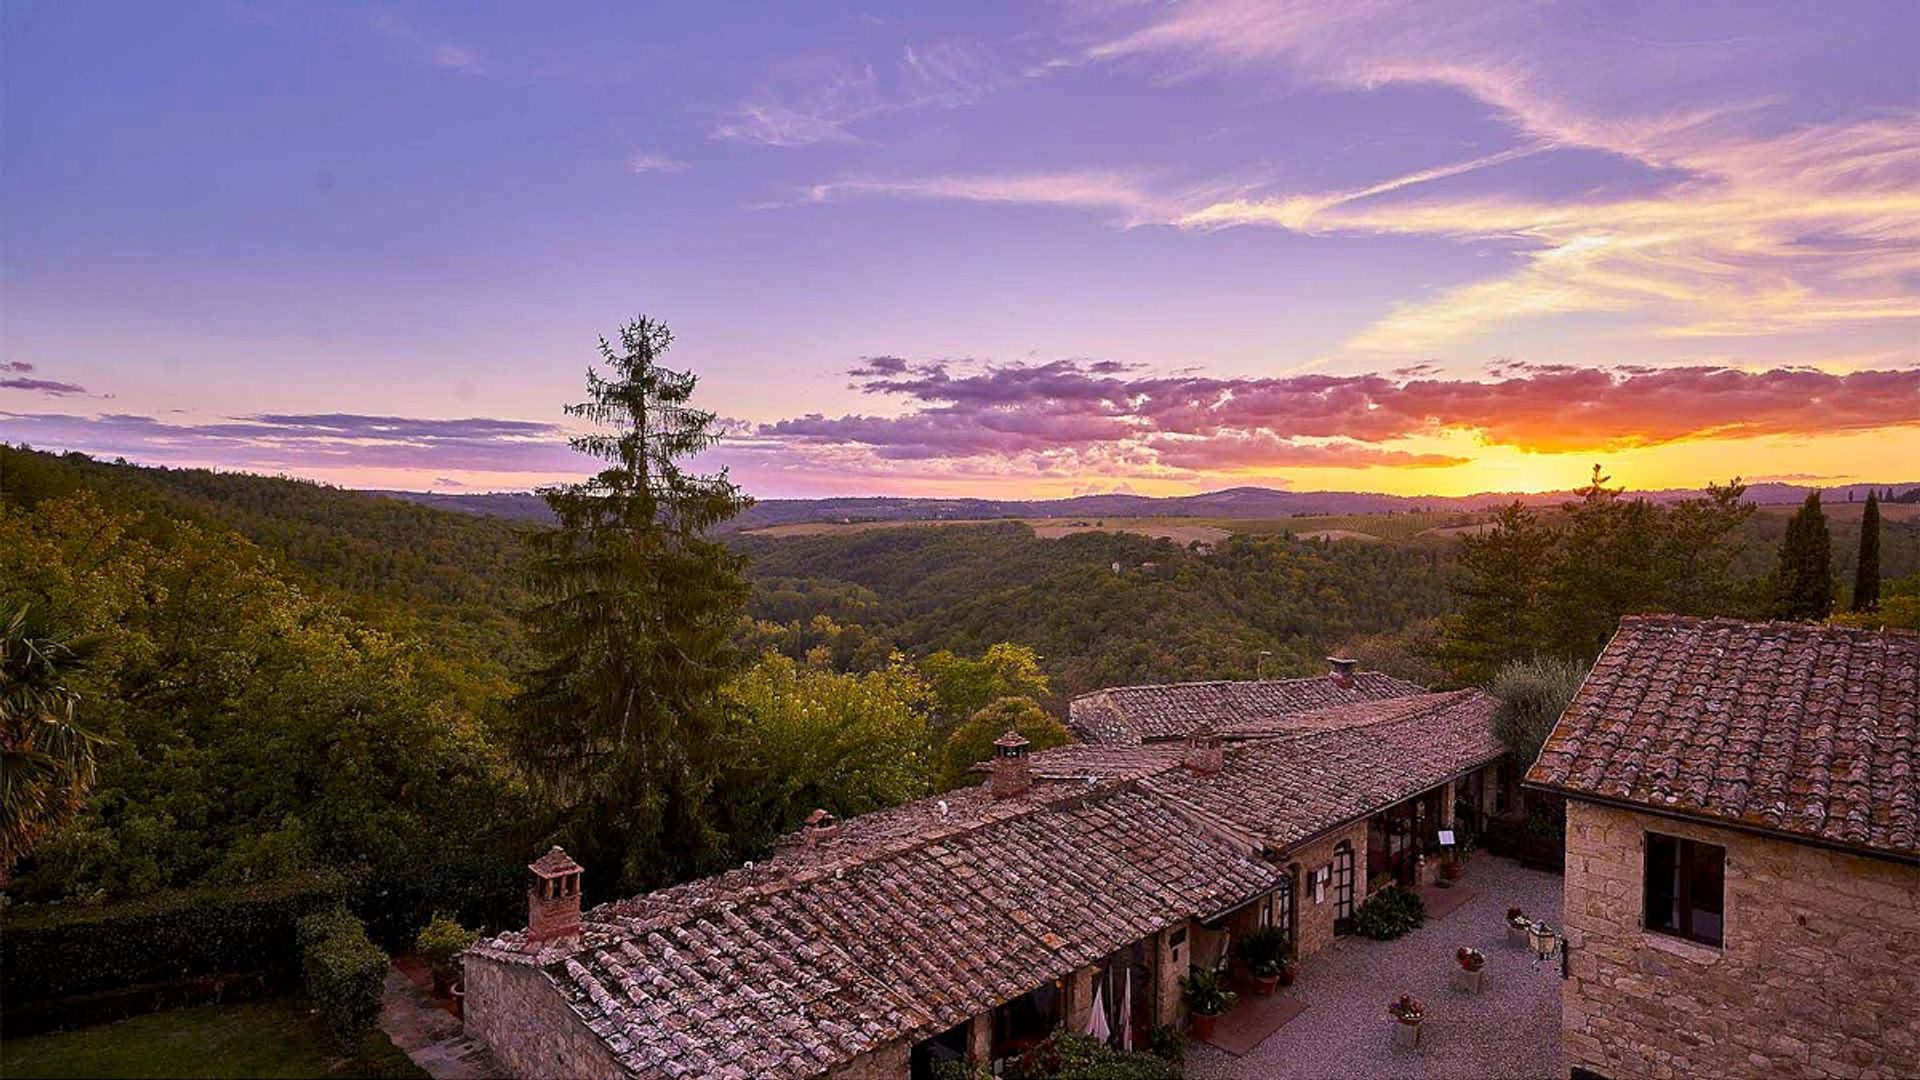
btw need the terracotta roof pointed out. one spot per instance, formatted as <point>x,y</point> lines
<point>789,969</point>
<point>1797,728</point>
<point>1290,788</point>
<point>1135,714</point>
<point>914,918</point>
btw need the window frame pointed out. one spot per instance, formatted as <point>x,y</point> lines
<point>1689,859</point>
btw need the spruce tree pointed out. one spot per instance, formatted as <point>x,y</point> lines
<point>1866,575</point>
<point>621,721</point>
<point>1804,583</point>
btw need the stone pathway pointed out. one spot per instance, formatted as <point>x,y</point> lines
<point>431,1035</point>
<point>1510,1029</point>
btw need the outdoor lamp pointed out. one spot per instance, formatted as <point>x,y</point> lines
<point>1544,942</point>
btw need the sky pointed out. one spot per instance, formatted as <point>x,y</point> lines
<point>979,249</point>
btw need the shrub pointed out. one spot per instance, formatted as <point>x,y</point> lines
<point>961,1069</point>
<point>441,943</point>
<point>1067,1056</point>
<point>1169,1044</point>
<point>1264,950</point>
<point>1206,992</point>
<point>56,951</point>
<point>345,974</point>
<point>1389,913</point>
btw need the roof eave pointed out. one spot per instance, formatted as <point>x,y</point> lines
<point>1911,858</point>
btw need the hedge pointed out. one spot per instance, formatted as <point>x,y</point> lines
<point>56,951</point>
<point>1389,913</point>
<point>344,974</point>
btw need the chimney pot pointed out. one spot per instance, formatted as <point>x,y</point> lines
<point>553,898</point>
<point>1204,754</point>
<point>1341,670</point>
<point>821,827</point>
<point>1012,774</point>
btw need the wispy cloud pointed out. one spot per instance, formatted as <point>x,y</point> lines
<point>446,55</point>
<point>818,101</point>
<point>643,162</point>
<point>1121,193</point>
<point>1768,227</point>
<point>20,370</point>
<point>277,441</point>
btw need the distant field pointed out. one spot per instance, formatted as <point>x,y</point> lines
<point>1365,528</point>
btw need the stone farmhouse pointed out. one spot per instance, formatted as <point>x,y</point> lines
<point>1743,852</point>
<point>1093,875</point>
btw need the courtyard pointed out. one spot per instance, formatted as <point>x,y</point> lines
<point>1510,1029</point>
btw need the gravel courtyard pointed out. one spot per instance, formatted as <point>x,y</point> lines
<point>1511,1029</point>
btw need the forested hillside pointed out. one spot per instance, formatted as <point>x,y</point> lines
<point>1167,613</point>
<point>394,563</point>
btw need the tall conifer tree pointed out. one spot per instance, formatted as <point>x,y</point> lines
<point>1866,575</point>
<point>622,719</point>
<point>1804,582</point>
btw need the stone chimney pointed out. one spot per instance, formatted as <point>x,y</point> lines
<point>1012,775</point>
<point>820,828</point>
<point>553,898</point>
<point>1340,670</point>
<point>1203,753</point>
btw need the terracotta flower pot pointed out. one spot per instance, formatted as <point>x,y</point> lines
<point>1264,984</point>
<point>1286,975</point>
<point>1203,1025</point>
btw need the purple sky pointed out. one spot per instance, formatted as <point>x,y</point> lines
<point>1007,249</point>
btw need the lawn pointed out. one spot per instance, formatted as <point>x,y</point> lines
<point>260,1039</point>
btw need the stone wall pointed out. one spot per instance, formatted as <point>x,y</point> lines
<point>528,1026</point>
<point>889,1062</point>
<point>1818,976</point>
<point>1315,920</point>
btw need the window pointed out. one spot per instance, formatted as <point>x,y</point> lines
<point>1686,888</point>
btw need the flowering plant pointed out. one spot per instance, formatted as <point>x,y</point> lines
<point>1518,919</point>
<point>1407,1010</point>
<point>1470,959</point>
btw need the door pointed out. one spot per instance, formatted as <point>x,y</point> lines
<point>1342,887</point>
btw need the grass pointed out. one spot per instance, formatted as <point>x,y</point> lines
<point>258,1039</point>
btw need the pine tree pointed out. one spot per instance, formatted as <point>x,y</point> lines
<point>622,719</point>
<point>1866,575</point>
<point>1804,583</point>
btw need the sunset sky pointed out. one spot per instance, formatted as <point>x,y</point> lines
<point>991,249</point>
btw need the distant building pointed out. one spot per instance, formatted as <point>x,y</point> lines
<point>1743,852</point>
<point>975,923</point>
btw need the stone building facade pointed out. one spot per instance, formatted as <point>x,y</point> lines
<point>1742,852</point>
<point>1818,973</point>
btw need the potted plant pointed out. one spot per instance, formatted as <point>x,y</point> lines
<point>1207,997</point>
<point>1409,1012</point>
<point>1264,951</point>
<point>1467,979</point>
<point>1470,959</point>
<point>1518,926</point>
<point>440,944</point>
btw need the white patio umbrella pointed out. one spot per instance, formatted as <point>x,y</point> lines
<point>1097,1023</point>
<point>1126,1014</point>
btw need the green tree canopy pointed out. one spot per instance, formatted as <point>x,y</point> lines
<point>1866,573</point>
<point>1532,694</point>
<point>622,718</point>
<point>251,729</point>
<point>962,686</point>
<point>46,754</point>
<point>972,741</point>
<point>1804,582</point>
<point>815,738</point>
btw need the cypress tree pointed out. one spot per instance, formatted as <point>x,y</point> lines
<point>622,720</point>
<point>1804,583</point>
<point>1866,575</point>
